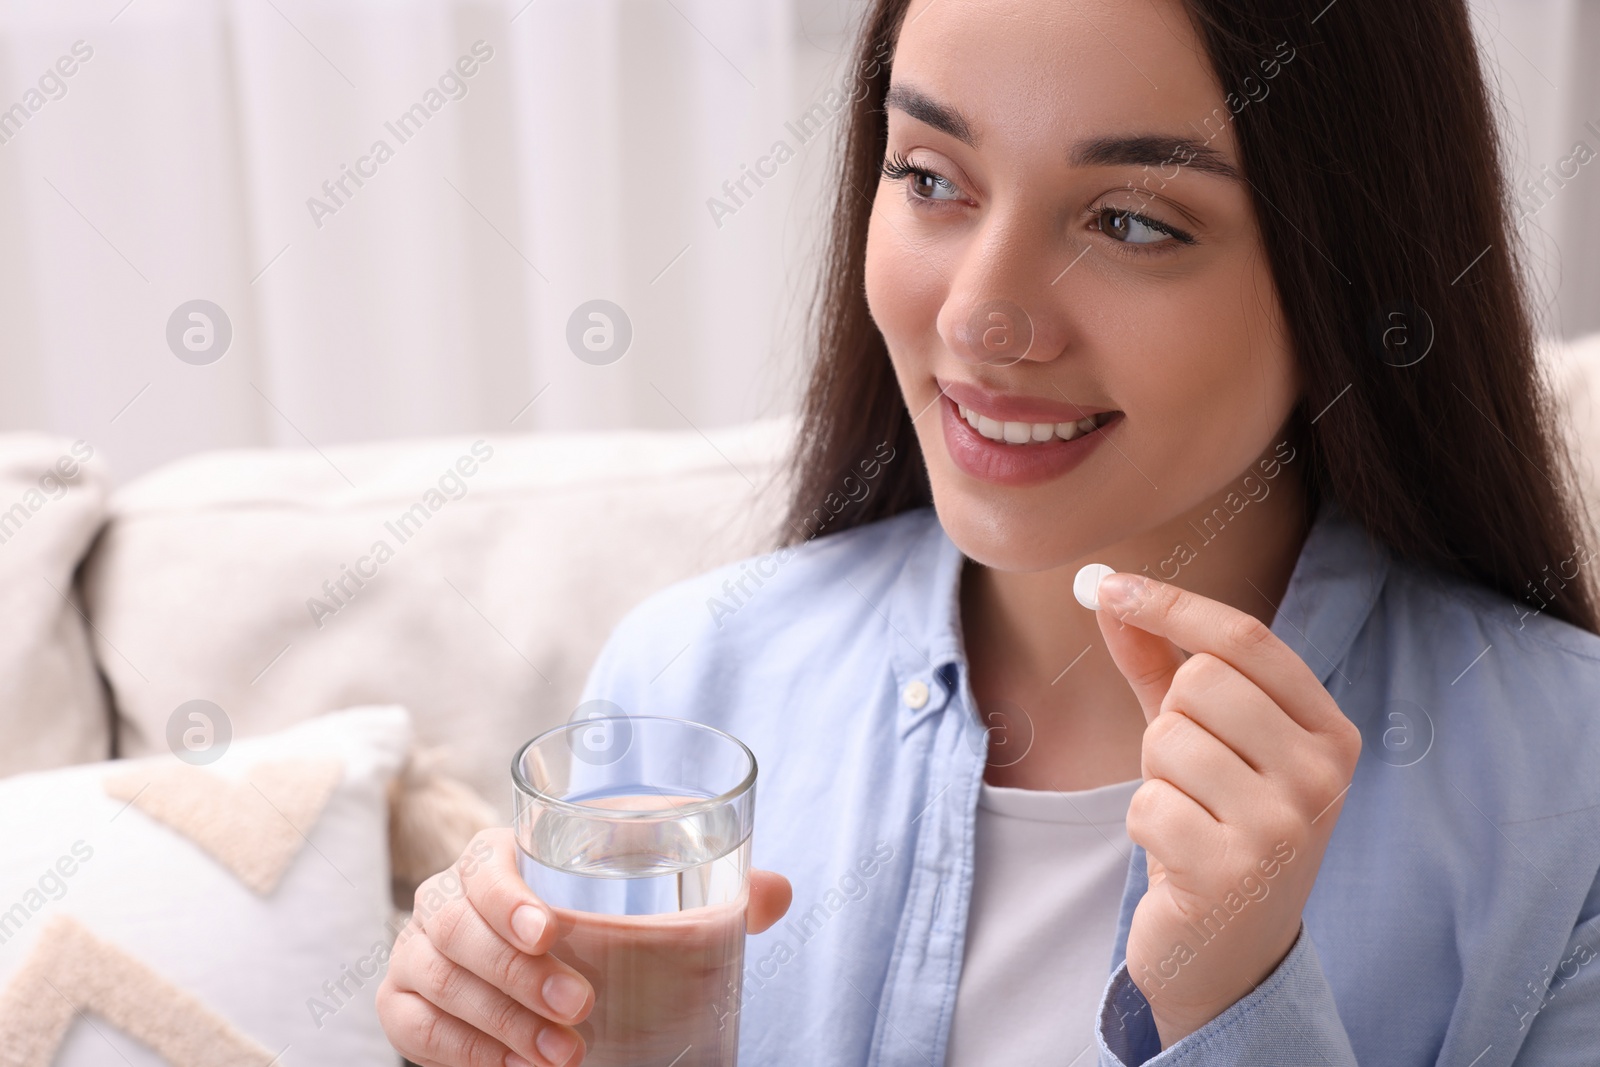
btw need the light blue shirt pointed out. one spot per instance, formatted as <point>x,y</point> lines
<point>1454,918</point>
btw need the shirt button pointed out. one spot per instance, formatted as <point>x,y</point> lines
<point>915,694</point>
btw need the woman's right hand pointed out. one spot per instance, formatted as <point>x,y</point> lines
<point>478,988</point>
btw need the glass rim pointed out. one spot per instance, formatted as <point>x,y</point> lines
<point>520,783</point>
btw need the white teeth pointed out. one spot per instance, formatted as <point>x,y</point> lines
<point>1017,433</point>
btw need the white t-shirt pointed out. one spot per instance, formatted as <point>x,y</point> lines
<point>1045,897</point>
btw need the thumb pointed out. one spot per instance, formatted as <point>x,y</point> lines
<point>1148,661</point>
<point>770,896</point>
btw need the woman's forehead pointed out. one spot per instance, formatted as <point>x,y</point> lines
<point>1050,82</point>
<point>1038,63</point>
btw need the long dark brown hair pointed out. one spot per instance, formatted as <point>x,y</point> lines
<point>1376,170</point>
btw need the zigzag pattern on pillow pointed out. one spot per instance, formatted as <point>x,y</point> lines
<point>254,828</point>
<point>71,971</point>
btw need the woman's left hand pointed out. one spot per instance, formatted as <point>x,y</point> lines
<point>1246,760</point>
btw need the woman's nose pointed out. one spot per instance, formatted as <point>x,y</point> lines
<point>995,331</point>
<point>1002,307</point>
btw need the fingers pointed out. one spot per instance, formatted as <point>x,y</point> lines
<point>1236,712</point>
<point>462,994</point>
<point>1180,751</point>
<point>1224,743</point>
<point>539,982</point>
<point>498,893</point>
<point>520,920</point>
<point>425,1035</point>
<point>770,897</point>
<point>1200,624</point>
<point>472,1017</point>
<point>1171,827</point>
<point>1148,661</point>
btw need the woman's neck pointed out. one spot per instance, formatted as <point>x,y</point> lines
<point>1043,680</point>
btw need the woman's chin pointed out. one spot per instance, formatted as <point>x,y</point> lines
<point>1005,536</point>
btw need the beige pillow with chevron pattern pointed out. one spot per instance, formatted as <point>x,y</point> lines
<point>155,913</point>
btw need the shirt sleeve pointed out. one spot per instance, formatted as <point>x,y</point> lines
<point>1289,1018</point>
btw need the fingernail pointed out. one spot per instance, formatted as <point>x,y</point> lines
<point>1121,592</point>
<point>528,923</point>
<point>1087,581</point>
<point>564,993</point>
<point>557,1045</point>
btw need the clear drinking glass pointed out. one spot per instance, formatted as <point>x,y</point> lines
<point>636,831</point>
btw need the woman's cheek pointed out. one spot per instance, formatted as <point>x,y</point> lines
<point>1186,409</point>
<point>1207,419</point>
<point>904,291</point>
<point>885,299</point>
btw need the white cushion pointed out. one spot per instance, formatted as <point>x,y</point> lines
<point>499,591</point>
<point>85,869</point>
<point>53,709</point>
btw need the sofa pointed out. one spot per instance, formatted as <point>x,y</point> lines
<point>248,701</point>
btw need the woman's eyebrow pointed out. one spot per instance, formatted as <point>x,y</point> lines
<point>1140,150</point>
<point>1153,150</point>
<point>927,110</point>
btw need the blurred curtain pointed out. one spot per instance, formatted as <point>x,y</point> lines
<point>1542,57</point>
<point>204,150</point>
<point>620,150</point>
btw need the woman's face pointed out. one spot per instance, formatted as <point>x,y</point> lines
<point>1052,255</point>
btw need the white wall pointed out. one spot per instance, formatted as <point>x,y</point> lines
<point>436,299</point>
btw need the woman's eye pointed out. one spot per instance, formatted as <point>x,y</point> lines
<point>1132,228</point>
<point>924,185</point>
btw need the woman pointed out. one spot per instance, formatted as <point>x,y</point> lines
<point>1220,294</point>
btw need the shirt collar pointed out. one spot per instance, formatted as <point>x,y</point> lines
<point>1334,585</point>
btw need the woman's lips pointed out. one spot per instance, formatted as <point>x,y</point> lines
<point>1012,407</point>
<point>1001,463</point>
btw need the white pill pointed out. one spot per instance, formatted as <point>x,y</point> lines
<point>1086,586</point>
